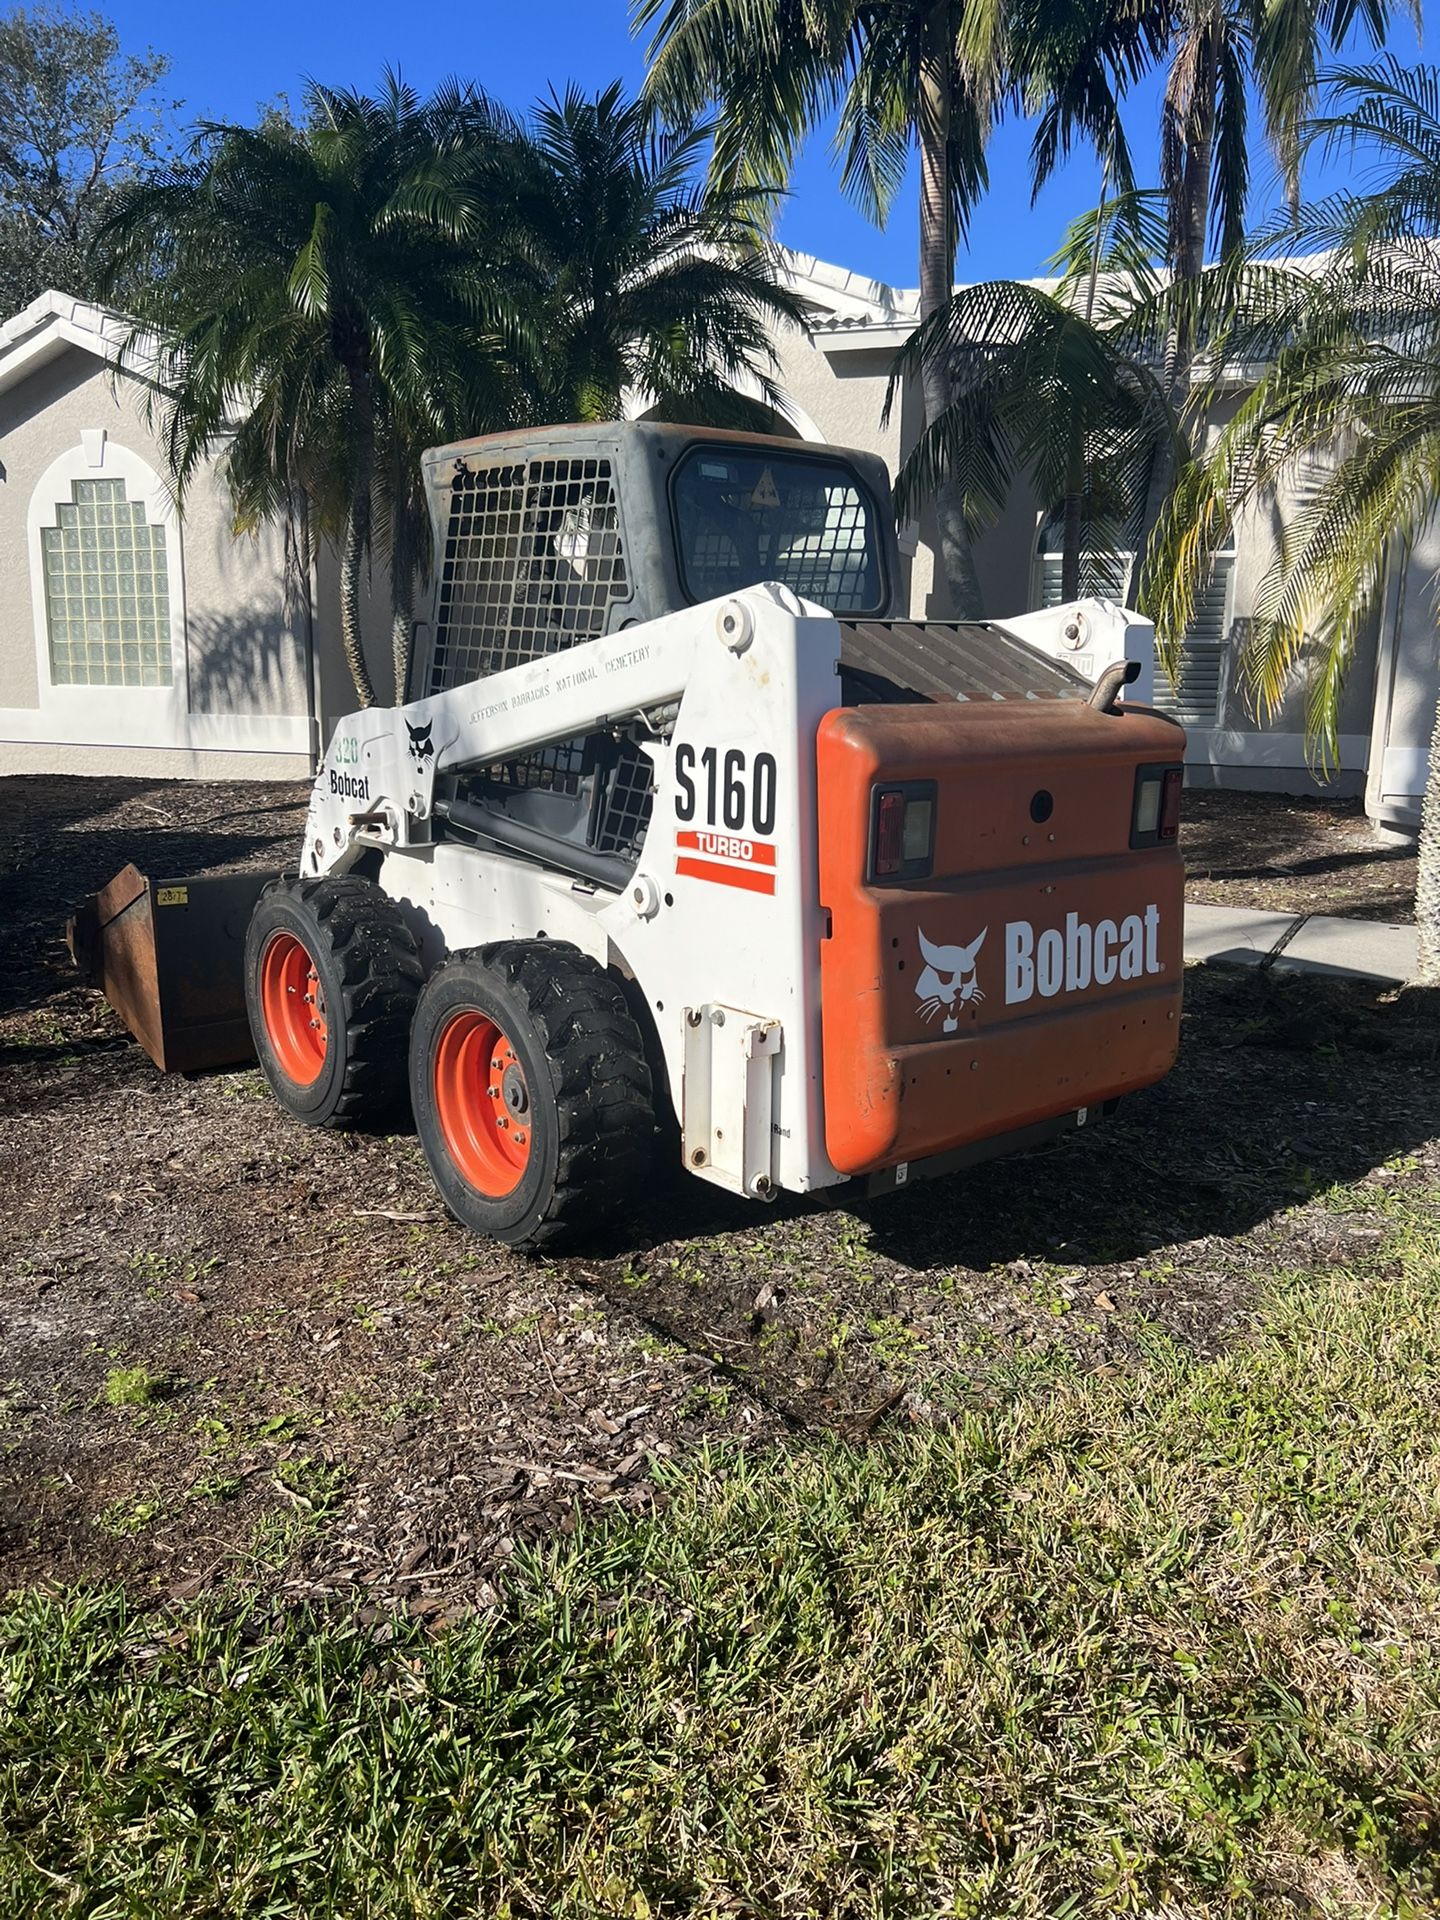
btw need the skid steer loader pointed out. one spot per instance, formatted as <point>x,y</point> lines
<point>686,841</point>
<point>682,824</point>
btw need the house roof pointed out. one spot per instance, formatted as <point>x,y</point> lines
<point>851,313</point>
<point>854,312</point>
<point>850,309</point>
<point>54,322</point>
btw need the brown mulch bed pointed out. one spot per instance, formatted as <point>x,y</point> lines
<point>342,1390</point>
<point>1286,855</point>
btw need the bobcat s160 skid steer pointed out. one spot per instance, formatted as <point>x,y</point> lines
<point>685,842</point>
<point>682,825</point>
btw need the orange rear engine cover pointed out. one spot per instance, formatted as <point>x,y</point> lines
<point>1037,969</point>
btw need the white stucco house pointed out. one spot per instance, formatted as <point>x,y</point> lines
<point>129,641</point>
<point>135,640</point>
<point>837,375</point>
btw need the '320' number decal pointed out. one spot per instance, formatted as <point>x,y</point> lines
<point>736,792</point>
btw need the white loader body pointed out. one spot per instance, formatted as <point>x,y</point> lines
<point>722,920</point>
<point>1090,635</point>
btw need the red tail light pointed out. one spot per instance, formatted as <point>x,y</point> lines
<point>889,833</point>
<point>902,831</point>
<point>1156,819</point>
<point>1170,802</point>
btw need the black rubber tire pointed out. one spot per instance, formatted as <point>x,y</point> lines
<point>591,1109</point>
<point>368,964</point>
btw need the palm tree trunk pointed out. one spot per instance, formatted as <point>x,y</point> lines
<point>937,283</point>
<point>402,621</point>
<point>1070,549</point>
<point>352,561</point>
<point>1072,522</point>
<point>356,547</point>
<point>1427,877</point>
<point>1194,107</point>
<point>300,603</point>
<point>1158,486</point>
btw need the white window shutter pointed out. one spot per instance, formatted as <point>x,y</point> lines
<point>1199,696</point>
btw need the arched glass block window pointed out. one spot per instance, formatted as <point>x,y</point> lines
<point>107,590</point>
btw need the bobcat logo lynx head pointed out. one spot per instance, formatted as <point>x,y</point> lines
<point>948,981</point>
<point>422,748</point>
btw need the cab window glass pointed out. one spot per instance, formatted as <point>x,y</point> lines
<point>743,517</point>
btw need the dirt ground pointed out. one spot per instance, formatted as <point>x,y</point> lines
<point>1294,856</point>
<point>235,1350</point>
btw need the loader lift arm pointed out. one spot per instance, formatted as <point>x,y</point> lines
<point>377,785</point>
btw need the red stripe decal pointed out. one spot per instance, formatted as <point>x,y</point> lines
<point>744,877</point>
<point>729,846</point>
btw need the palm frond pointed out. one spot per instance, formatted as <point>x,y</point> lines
<point>1119,246</point>
<point>1343,424</point>
<point>1040,389</point>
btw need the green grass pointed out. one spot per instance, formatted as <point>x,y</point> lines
<point>1164,1644</point>
<point>316,1484</point>
<point>130,1387</point>
<point>122,1518</point>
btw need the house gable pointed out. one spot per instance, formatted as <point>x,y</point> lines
<point>54,323</point>
<point>131,638</point>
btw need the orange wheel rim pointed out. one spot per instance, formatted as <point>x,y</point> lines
<point>293,1007</point>
<point>482,1103</point>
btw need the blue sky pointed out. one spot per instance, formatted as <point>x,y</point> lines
<point>228,59</point>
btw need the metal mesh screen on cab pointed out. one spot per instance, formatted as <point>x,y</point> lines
<point>615,788</point>
<point>801,522</point>
<point>531,564</point>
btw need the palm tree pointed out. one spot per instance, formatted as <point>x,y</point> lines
<point>1218,53</point>
<point>1047,384</point>
<point>324,309</point>
<point>654,282</point>
<point>903,73</point>
<point>1346,421</point>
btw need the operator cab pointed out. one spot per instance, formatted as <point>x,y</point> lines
<point>547,538</point>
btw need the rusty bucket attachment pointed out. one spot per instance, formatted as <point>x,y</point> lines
<point>169,957</point>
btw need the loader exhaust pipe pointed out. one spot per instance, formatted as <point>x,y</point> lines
<point>1107,688</point>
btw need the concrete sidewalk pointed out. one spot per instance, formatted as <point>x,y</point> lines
<point>1300,942</point>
